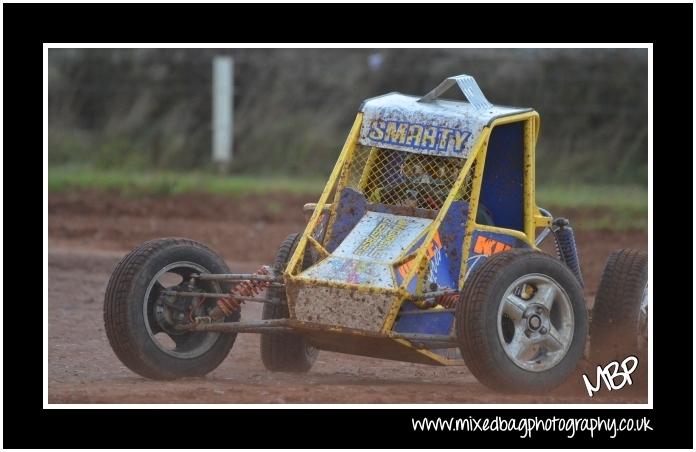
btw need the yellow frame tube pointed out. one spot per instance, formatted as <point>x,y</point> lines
<point>317,246</point>
<point>368,169</point>
<point>530,208</point>
<point>473,208</point>
<point>434,356</point>
<point>511,232</point>
<point>345,152</point>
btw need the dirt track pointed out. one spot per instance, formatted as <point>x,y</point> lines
<point>88,233</point>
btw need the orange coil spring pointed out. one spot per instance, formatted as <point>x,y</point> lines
<point>449,300</point>
<point>243,289</point>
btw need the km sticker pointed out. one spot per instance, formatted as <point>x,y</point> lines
<point>487,246</point>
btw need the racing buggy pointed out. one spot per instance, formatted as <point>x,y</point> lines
<point>423,247</point>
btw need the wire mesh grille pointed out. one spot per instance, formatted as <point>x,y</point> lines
<point>405,179</point>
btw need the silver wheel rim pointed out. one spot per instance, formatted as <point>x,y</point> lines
<point>643,322</point>
<point>535,322</point>
<point>203,341</point>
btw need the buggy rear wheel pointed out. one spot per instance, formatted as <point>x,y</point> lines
<point>285,351</point>
<point>522,322</point>
<point>141,325</point>
<point>620,313</point>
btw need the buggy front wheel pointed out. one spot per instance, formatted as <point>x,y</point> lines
<point>141,324</point>
<point>522,322</point>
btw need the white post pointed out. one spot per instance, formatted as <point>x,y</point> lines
<point>223,86</point>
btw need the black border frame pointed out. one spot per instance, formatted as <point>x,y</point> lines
<point>26,27</point>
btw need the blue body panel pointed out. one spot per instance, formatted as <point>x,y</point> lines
<point>452,231</point>
<point>502,187</point>
<point>435,323</point>
<point>351,207</point>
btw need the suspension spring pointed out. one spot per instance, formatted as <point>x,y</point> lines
<point>247,288</point>
<point>448,300</point>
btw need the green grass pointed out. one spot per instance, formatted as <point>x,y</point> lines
<point>594,196</point>
<point>616,207</point>
<point>61,179</point>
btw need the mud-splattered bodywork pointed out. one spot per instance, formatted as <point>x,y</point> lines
<point>401,218</point>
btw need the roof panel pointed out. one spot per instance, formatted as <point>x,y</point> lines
<point>429,125</point>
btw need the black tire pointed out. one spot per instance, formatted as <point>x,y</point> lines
<point>124,311</point>
<point>615,332</point>
<point>285,352</point>
<point>478,318</point>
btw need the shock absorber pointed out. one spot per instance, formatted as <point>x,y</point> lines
<point>247,288</point>
<point>565,247</point>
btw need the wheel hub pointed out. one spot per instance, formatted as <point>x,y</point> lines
<point>163,313</point>
<point>536,322</point>
<point>536,319</point>
<point>170,313</point>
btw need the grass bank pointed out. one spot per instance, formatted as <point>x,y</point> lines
<point>617,207</point>
<point>61,179</point>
